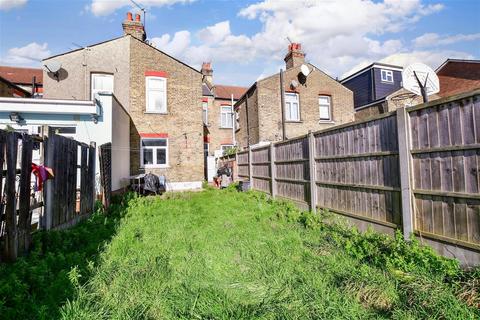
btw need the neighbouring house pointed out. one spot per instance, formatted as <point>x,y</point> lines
<point>8,89</point>
<point>161,94</point>
<point>311,102</point>
<point>29,79</point>
<point>457,76</point>
<point>101,121</point>
<point>218,115</point>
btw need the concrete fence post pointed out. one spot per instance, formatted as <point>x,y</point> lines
<point>273,184</point>
<point>405,172</point>
<point>313,172</point>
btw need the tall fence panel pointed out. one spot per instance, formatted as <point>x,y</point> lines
<point>292,175</point>
<point>242,164</point>
<point>357,170</point>
<point>445,150</point>
<point>261,176</point>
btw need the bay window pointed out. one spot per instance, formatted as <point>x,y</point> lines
<point>154,153</point>
<point>156,94</point>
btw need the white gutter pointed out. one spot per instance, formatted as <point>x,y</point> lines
<point>49,106</point>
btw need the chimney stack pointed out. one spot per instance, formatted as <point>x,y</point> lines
<point>295,56</point>
<point>135,28</point>
<point>207,73</point>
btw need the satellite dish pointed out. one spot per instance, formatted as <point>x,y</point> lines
<point>305,70</point>
<point>52,66</point>
<point>294,84</point>
<point>420,79</point>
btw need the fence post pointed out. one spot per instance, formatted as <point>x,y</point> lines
<point>273,184</point>
<point>48,150</point>
<point>250,167</point>
<point>405,172</point>
<point>313,175</point>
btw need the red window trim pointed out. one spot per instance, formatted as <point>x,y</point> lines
<point>162,74</point>
<point>226,104</point>
<point>153,135</point>
<point>204,99</point>
<point>325,94</point>
<point>291,91</point>
<point>224,142</point>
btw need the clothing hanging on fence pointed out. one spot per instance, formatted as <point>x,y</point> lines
<point>42,174</point>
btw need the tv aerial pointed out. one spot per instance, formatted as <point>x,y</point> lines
<point>141,8</point>
<point>420,79</point>
<point>53,67</point>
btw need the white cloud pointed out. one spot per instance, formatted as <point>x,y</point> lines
<point>174,46</point>
<point>216,33</point>
<point>106,7</point>
<point>10,4</point>
<point>434,39</point>
<point>28,55</point>
<point>430,58</point>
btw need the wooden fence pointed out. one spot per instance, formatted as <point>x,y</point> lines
<point>416,168</point>
<point>63,201</point>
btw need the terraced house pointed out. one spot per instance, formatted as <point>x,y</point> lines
<point>161,94</point>
<point>308,100</point>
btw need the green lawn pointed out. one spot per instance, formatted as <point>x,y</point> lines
<point>230,255</point>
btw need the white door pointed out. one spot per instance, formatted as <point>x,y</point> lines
<point>211,170</point>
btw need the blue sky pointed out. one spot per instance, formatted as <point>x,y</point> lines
<point>247,40</point>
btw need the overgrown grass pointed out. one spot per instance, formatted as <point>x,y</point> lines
<point>36,286</point>
<point>228,255</point>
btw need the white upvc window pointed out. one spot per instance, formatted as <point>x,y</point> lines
<point>101,82</point>
<point>226,117</point>
<point>386,75</point>
<point>325,107</point>
<point>154,153</point>
<point>205,112</point>
<point>292,107</point>
<point>156,94</point>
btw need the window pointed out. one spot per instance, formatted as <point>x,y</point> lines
<point>101,82</point>
<point>292,110</point>
<point>225,147</point>
<point>226,117</point>
<point>387,75</point>
<point>205,112</point>
<point>206,147</point>
<point>324,105</point>
<point>156,91</point>
<point>154,153</point>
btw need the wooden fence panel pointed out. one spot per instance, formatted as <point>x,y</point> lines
<point>446,151</point>
<point>24,214</point>
<point>357,170</point>
<point>106,172</point>
<point>292,174</point>
<point>261,169</point>
<point>242,164</point>
<point>11,235</point>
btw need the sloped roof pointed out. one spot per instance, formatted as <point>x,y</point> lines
<point>225,92</point>
<point>20,75</point>
<point>457,76</point>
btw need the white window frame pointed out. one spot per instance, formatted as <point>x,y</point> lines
<point>154,159</point>
<point>205,112</point>
<point>147,90</point>
<point>228,115</point>
<point>99,74</point>
<point>320,105</point>
<point>386,75</point>
<point>224,147</point>
<point>288,106</point>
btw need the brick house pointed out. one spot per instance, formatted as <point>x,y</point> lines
<point>161,94</point>
<point>312,102</point>
<point>457,76</point>
<point>218,112</point>
<point>8,89</point>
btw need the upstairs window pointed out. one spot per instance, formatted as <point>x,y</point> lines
<point>387,75</point>
<point>292,108</point>
<point>226,117</point>
<point>324,105</point>
<point>101,82</point>
<point>205,112</point>
<point>154,153</point>
<point>156,94</point>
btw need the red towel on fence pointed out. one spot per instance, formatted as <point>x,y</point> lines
<point>42,174</point>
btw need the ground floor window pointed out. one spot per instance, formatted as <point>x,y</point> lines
<point>154,153</point>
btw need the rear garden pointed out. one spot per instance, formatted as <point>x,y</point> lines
<point>222,254</point>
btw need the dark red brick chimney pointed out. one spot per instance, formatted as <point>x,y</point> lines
<point>207,72</point>
<point>135,28</point>
<point>295,56</point>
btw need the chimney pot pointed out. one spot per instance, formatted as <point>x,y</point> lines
<point>129,16</point>
<point>295,56</point>
<point>137,17</point>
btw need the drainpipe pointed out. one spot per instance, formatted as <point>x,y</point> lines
<point>282,104</point>
<point>233,122</point>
